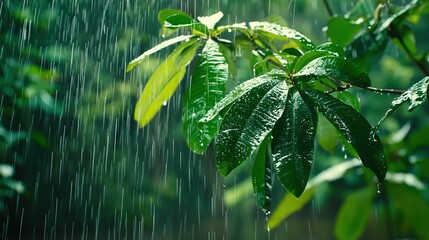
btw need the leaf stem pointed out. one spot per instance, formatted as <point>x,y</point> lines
<point>328,8</point>
<point>381,90</point>
<point>394,33</point>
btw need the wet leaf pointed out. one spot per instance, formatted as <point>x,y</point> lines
<point>273,31</point>
<point>261,176</point>
<point>416,95</point>
<point>400,15</point>
<point>308,57</point>
<point>293,143</point>
<point>290,204</point>
<point>184,21</point>
<point>164,81</point>
<point>335,68</point>
<point>207,88</point>
<point>239,91</point>
<point>342,31</point>
<point>248,122</point>
<point>354,127</point>
<point>354,213</point>
<point>155,49</point>
<point>166,13</point>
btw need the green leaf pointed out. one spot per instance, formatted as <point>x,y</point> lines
<point>239,91</point>
<point>248,122</point>
<point>336,68</point>
<point>158,47</point>
<point>354,214</point>
<point>342,31</point>
<point>273,31</point>
<point>293,143</point>
<point>354,127</point>
<point>349,98</point>
<point>166,13</point>
<point>206,89</point>
<point>327,135</point>
<point>308,57</point>
<point>413,206</point>
<point>416,95</point>
<point>184,21</point>
<point>210,21</point>
<point>261,176</point>
<point>400,15</point>
<point>164,81</point>
<point>290,204</point>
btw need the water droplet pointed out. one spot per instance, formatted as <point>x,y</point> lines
<point>378,188</point>
<point>164,103</point>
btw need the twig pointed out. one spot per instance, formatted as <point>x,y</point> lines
<point>328,8</point>
<point>381,90</point>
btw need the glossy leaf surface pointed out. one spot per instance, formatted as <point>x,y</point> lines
<point>239,91</point>
<point>248,122</point>
<point>354,127</point>
<point>336,68</point>
<point>293,143</point>
<point>261,176</point>
<point>164,81</point>
<point>207,88</point>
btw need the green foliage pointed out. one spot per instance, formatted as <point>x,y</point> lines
<point>273,118</point>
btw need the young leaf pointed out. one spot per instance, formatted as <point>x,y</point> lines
<point>207,88</point>
<point>158,47</point>
<point>354,127</point>
<point>336,68</point>
<point>184,21</point>
<point>261,176</point>
<point>210,21</point>
<point>166,13</point>
<point>354,213</point>
<point>293,143</point>
<point>273,31</point>
<point>239,91</point>
<point>164,81</point>
<point>248,122</point>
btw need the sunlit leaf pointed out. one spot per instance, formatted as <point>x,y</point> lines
<point>164,81</point>
<point>274,31</point>
<point>210,21</point>
<point>158,47</point>
<point>207,88</point>
<point>354,213</point>
<point>261,176</point>
<point>354,127</point>
<point>248,122</point>
<point>293,143</point>
<point>336,68</point>
<point>239,91</point>
<point>290,204</point>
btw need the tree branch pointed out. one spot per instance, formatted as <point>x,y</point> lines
<point>328,8</point>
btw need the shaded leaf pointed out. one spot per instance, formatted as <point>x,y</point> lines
<point>158,47</point>
<point>206,89</point>
<point>248,122</point>
<point>327,135</point>
<point>164,81</point>
<point>354,213</point>
<point>239,91</point>
<point>354,127</point>
<point>261,176</point>
<point>290,204</point>
<point>336,68</point>
<point>293,143</point>
<point>413,206</point>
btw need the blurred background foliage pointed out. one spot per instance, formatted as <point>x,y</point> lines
<point>73,163</point>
